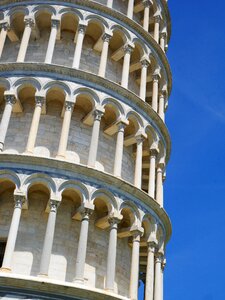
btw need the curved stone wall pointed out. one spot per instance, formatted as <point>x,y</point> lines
<point>84,88</point>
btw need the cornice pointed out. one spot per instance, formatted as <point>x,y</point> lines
<point>63,168</point>
<point>116,15</point>
<point>105,85</point>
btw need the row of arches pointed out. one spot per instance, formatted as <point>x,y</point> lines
<point>48,119</point>
<point>79,39</point>
<point>101,215</point>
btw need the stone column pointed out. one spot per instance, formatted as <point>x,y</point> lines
<point>158,287</point>
<point>82,244</point>
<point>13,231</point>
<point>29,24</point>
<point>49,237</point>
<point>162,105</point>
<point>163,40</point>
<point>150,270</point>
<point>157,20</point>
<point>110,3</point>
<point>138,162</point>
<point>147,4</point>
<point>151,185</point>
<point>39,102</point>
<point>134,274</point>
<point>10,100</point>
<point>143,85</point>
<point>130,9</point>
<point>159,184</point>
<point>119,150</point>
<point>94,138</point>
<point>65,129</point>
<point>126,66</point>
<point>104,56</point>
<point>79,45</point>
<point>4,29</point>
<point>111,258</point>
<point>52,40</point>
<point>155,91</point>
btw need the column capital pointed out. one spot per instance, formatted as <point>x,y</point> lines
<point>98,113</point>
<point>157,18</point>
<point>106,37</point>
<point>161,166</point>
<point>156,76</point>
<point>128,48</point>
<point>121,124</point>
<point>69,105</point>
<point>82,28</point>
<point>19,200</point>
<point>154,151</point>
<point>55,22</point>
<point>147,3</point>
<point>152,246</point>
<point>114,219</point>
<point>4,24</point>
<point>163,35</point>
<point>29,22</point>
<point>53,205</point>
<point>10,98</point>
<point>140,137</point>
<point>136,233</point>
<point>145,62</point>
<point>39,100</point>
<point>84,211</point>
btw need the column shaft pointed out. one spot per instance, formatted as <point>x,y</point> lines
<point>146,15</point>
<point>134,275</point>
<point>110,3</point>
<point>52,41</point>
<point>159,185</point>
<point>111,258</point>
<point>126,66</point>
<point>158,279</point>
<point>156,28</point>
<point>138,163</point>
<point>65,129</point>
<point>79,45</point>
<point>10,101</point>
<point>162,41</point>
<point>130,9</point>
<point>151,185</point>
<point>143,85</point>
<point>29,23</point>
<point>48,241</point>
<point>119,151</point>
<point>94,138</point>
<point>82,247</point>
<point>3,35</point>
<point>104,55</point>
<point>13,231</point>
<point>149,285</point>
<point>162,106</point>
<point>34,125</point>
<point>155,92</point>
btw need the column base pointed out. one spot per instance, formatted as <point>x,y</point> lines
<point>78,280</point>
<point>43,275</point>
<point>61,157</point>
<point>5,270</point>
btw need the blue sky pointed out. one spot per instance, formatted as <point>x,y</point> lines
<point>195,184</point>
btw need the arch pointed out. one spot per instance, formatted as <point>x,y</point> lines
<point>134,115</point>
<point>15,10</point>
<point>43,8</point>
<point>98,19</point>
<point>137,41</point>
<point>94,97</point>
<point>44,179</point>
<point>70,10</point>
<point>77,186</point>
<point>151,134</point>
<point>130,205</point>
<point>108,197</point>
<point>122,30</point>
<point>28,81</point>
<point>116,104</point>
<point>12,176</point>
<point>57,84</point>
<point>148,222</point>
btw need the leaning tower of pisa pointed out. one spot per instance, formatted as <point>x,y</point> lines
<point>84,87</point>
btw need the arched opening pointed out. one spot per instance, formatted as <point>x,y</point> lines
<point>92,46</point>
<point>65,46</point>
<point>67,232</point>
<point>135,69</point>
